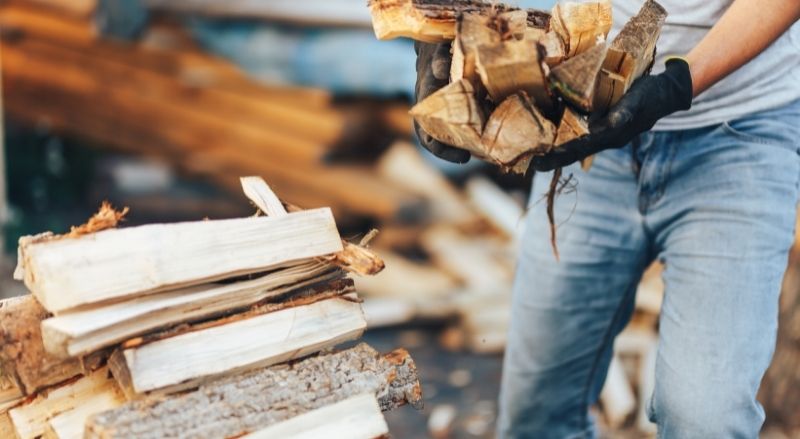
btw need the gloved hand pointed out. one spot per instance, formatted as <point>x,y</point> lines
<point>433,73</point>
<point>649,99</point>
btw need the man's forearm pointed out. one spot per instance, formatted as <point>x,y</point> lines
<point>746,29</point>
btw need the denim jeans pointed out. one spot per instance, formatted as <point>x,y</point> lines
<point>717,206</point>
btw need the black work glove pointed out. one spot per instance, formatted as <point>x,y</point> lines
<point>433,73</point>
<point>649,99</point>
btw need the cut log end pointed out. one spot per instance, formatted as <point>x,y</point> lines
<point>451,115</point>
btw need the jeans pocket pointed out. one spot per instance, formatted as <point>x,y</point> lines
<point>766,129</point>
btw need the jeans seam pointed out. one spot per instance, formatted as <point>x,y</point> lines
<point>606,338</point>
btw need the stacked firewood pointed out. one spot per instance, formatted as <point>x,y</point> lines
<point>522,81</point>
<point>196,329</point>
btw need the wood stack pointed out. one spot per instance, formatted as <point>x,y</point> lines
<point>164,97</point>
<point>181,330</point>
<point>522,81</point>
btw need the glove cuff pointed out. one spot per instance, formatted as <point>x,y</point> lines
<point>680,79</point>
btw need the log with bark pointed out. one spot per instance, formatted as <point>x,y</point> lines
<point>575,79</point>
<point>248,402</point>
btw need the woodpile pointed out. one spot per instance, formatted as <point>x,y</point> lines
<point>218,328</point>
<point>164,97</point>
<point>519,76</point>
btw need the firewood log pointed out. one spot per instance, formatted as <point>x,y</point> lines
<point>451,115</point>
<point>575,79</point>
<point>580,25</point>
<point>247,402</point>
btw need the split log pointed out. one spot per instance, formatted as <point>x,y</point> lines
<point>630,55</point>
<point>512,66</point>
<point>403,164</point>
<point>10,394</point>
<point>433,21</point>
<point>65,273</point>
<point>30,419</point>
<point>473,30</point>
<point>6,426</point>
<point>245,403</point>
<point>575,78</point>
<point>23,359</point>
<point>554,49</point>
<point>83,331</point>
<point>581,25</point>
<point>571,127</point>
<point>484,318</point>
<point>358,417</point>
<point>186,360</point>
<point>515,132</point>
<point>451,115</point>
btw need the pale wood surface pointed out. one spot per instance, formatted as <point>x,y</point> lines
<point>358,417</point>
<point>83,331</point>
<point>452,115</point>
<point>244,403</point>
<point>30,419</point>
<point>114,264</point>
<point>497,206</point>
<point>511,66</point>
<point>406,279</point>
<point>186,359</point>
<point>580,25</point>
<point>575,78</point>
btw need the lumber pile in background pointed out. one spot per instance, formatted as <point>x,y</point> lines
<point>163,97</point>
<point>517,82</point>
<point>209,328</point>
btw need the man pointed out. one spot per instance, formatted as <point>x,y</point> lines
<point>710,191</point>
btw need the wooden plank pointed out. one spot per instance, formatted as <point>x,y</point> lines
<point>22,354</point>
<point>240,404</point>
<point>497,206</point>
<point>80,332</point>
<point>69,424</point>
<point>407,279</point>
<point>185,360</point>
<point>113,264</point>
<point>433,20</point>
<point>30,419</point>
<point>358,417</point>
<point>581,25</point>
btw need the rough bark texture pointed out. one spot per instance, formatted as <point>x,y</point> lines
<point>631,54</point>
<point>779,389</point>
<point>237,405</point>
<point>22,355</point>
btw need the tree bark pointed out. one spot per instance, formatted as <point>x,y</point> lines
<point>237,405</point>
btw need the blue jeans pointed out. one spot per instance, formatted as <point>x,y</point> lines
<point>717,206</point>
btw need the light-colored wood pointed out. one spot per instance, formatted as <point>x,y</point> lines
<point>77,8</point>
<point>114,264</point>
<point>630,55</point>
<point>406,279</point>
<point>571,127</point>
<point>433,21</point>
<point>451,115</point>
<point>185,360</point>
<point>84,331</point>
<point>69,424</point>
<point>497,206</point>
<point>240,404</point>
<point>581,25</point>
<point>22,355</point>
<point>512,66</point>
<point>403,164</point>
<point>358,417</point>
<point>10,394</point>
<point>515,132</point>
<point>30,419</point>
<point>259,192</point>
<point>6,426</point>
<point>554,49</point>
<point>575,78</point>
<point>484,318</point>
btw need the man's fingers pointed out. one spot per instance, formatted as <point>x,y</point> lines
<point>564,155</point>
<point>439,149</point>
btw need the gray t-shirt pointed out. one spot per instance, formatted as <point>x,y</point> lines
<point>769,81</point>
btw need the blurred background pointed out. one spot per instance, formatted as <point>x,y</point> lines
<point>160,105</point>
